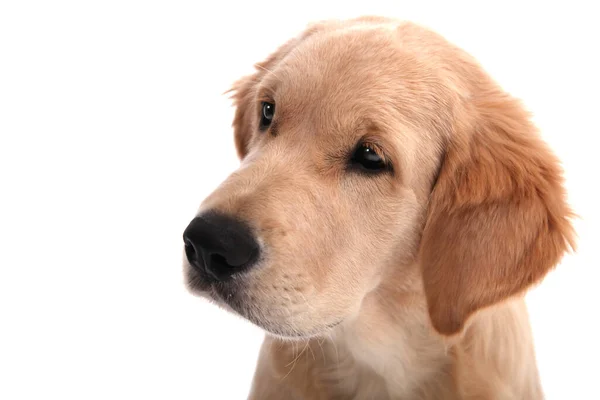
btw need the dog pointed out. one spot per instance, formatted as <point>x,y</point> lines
<point>392,207</point>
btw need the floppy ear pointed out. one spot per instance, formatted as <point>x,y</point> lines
<point>244,94</point>
<point>497,220</point>
<point>245,121</point>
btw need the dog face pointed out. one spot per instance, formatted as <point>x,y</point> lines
<point>368,146</point>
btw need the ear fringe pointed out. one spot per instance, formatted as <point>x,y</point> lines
<point>498,219</point>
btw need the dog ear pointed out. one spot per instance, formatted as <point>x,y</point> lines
<point>497,220</point>
<point>245,121</point>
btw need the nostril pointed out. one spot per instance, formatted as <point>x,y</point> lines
<point>190,252</point>
<point>219,260</point>
<point>218,266</point>
<point>232,260</point>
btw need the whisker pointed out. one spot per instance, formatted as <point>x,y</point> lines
<point>337,354</point>
<point>266,69</point>
<point>294,361</point>
<point>320,342</point>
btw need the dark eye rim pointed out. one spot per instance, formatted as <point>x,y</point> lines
<point>265,121</point>
<point>355,166</point>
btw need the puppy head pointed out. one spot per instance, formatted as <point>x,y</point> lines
<point>368,146</point>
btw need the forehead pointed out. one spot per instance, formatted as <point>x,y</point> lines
<point>356,75</point>
<point>335,71</point>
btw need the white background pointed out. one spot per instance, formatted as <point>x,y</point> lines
<point>114,127</point>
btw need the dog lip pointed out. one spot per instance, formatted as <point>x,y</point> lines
<point>198,282</point>
<point>227,293</point>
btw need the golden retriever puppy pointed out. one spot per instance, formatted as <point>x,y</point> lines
<point>392,206</point>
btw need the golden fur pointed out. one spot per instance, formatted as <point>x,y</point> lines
<point>402,285</point>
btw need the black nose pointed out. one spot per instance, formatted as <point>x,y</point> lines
<point>219,245</point>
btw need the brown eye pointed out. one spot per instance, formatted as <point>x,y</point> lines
<point>366,157</point>
<point>267,113</point>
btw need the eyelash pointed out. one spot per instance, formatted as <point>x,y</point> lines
<point>374,147</point>
<point>355,165</point>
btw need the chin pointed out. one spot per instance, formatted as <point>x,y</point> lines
<point>296,335</point>
<point>230,296</point>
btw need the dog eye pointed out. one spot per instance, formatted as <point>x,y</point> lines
<point>368,157</point>
<point>267,113</point>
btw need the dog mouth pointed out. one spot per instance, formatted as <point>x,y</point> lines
<point>196,283</point>
<point>225,294</point>
<point>257,316</point>
<point>232,297</point>
<point>200,284</point>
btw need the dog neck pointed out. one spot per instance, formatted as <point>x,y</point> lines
<point>392,339</point>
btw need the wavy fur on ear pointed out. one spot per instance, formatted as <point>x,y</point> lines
<point>498,220</point>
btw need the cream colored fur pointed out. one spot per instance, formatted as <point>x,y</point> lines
<point>406,284</point>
